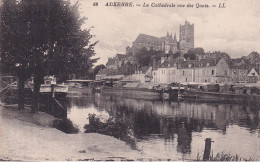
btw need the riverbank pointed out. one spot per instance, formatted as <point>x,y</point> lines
<point>26,136</point>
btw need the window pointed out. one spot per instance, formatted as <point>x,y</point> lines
<point>183,72</point>
<point>186,79</point>
<point>212,72</point>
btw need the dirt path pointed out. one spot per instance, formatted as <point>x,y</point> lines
<point>24,136</point>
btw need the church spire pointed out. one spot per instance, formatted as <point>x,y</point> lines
<point>167,33</point>
<point>174,35</point>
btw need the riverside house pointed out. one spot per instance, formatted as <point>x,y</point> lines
<point>239,69</point>
<point>211,70</point>
<point>206,70</point>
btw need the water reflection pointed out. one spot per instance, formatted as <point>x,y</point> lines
<point>177,130</point>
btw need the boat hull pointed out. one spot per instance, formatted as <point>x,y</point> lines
<point>221,97</point>
<point>57,89</point>
<point>79,91</point>
<point>136,93</point>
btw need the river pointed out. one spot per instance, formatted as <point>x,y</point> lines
<point>177,130</point>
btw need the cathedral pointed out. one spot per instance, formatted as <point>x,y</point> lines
<point>167,43</point>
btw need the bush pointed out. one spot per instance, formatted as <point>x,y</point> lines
<point>65,126</point>
<point>117,128</point>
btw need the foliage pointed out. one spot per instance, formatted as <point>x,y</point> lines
<point>117,128</point>
<point>44,37</point>
<point>222,156</point>
<point>170,53</point>
<point>145,57</point>
<point>176,55</point>
<point>98,68</point>
<point>66,126</point>
<point>193,53</point>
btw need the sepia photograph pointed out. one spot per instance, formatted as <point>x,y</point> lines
<point>129,80</point>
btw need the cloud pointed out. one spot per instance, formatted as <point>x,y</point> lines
<point>234,29</point>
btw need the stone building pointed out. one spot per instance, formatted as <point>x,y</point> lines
<point>186,37</point>
<point>239,69</point>
<point>167,43</point>
<point>142,75</point>
<point>190,71</point>
<point>212,71</point>
<point>253,75</point>
<point>176,70</point>
<point>115,62</point>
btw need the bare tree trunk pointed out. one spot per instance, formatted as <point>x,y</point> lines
<point>36,93</point>
<point>21,92</point>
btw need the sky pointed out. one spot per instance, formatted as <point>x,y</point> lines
<point>234,29</point>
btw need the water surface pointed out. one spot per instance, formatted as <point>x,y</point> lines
<point>177,130</point>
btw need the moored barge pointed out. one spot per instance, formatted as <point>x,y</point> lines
<point>135,90</point>
<point>235,94</point>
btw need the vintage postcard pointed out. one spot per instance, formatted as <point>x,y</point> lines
<point>159,80</point>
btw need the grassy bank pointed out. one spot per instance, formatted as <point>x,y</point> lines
<point>31,137</point>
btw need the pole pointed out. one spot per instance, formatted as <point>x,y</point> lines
<point>52,90</point>
<point>207,149</point>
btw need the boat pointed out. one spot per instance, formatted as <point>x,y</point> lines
<point>235,94</point>
<point>175,91</point>
<point>134,90</point>
<point>97,84</point>
<point>80,86</point>
<point>49,84</point>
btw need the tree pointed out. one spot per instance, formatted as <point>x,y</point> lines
<point>176,54</point>
<point>13,44</point>
<point>93,72</point>
<point>44,37</point>
<point>193,53</point>
<point>145,57</point>
<point>98,68</point>
<point>170,53</point>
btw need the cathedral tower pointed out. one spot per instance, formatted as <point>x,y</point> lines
<point>186,37</point>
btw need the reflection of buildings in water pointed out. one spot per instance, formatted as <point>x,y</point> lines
<point>169,120</point>
<point>96,100</point>
<point>244,116</point>
<point>81,102</point>
<point>216,116</point>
